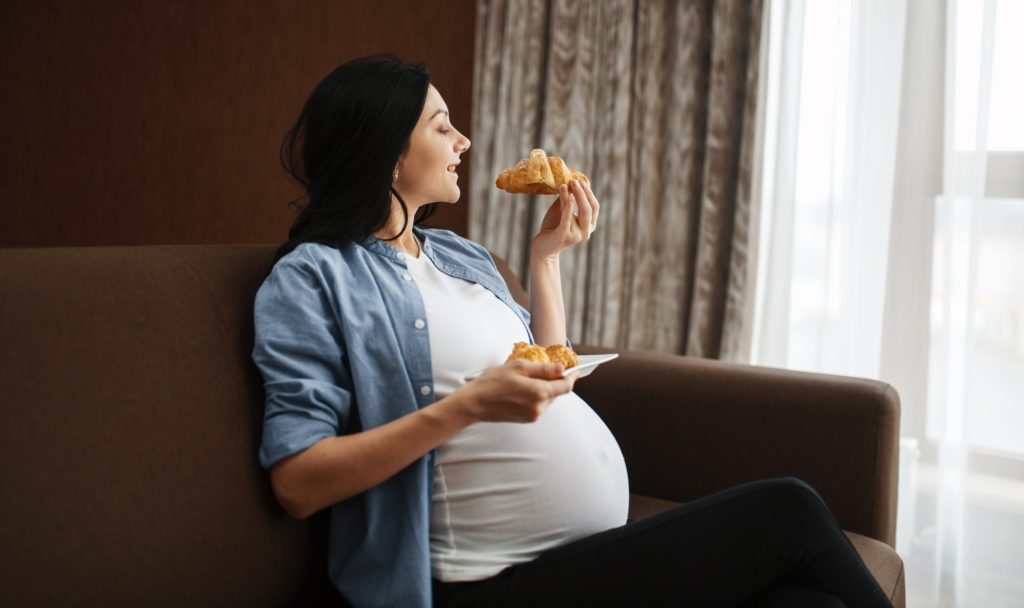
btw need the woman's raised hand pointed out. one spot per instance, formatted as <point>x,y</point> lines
<point>561,228</point>
<point>518,391</point>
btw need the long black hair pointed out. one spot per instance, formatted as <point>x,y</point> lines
<point>345,145</point>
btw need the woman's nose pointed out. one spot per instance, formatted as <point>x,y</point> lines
<point>465,145</point>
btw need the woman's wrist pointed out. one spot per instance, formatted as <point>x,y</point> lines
<point>550,260</point>
<point>454,410</point>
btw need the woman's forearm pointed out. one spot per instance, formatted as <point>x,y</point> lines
<point>337,468</point>
<point>547,308</point>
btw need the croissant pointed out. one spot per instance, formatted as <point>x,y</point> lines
<point>538,174</point>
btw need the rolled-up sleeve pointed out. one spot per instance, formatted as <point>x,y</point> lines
<point>300,351</point>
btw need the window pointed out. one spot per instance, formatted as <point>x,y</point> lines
<point>977,310</point>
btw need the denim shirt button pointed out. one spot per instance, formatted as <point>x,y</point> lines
<point>419,324</point>
<point>424,390</point>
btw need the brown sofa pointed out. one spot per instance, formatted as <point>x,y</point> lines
<point>132,415</point>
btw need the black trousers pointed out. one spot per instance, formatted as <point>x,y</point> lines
<point>771,542</point>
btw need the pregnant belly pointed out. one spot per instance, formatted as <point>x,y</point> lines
<point>504,492</point>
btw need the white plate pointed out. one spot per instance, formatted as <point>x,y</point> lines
<point>587,364</point>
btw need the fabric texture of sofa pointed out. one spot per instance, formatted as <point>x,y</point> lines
<point>132,419</point>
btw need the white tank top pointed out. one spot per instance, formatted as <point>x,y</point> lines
<point>506,491</point>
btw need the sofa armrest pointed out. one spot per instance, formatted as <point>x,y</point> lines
<point>690,426</point>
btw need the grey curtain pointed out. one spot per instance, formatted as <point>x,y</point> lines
<point>655,101</point>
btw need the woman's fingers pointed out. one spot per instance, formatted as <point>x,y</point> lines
<point>594,204</point>
<point>520,390</point>
<point>553,388</point>
<point>586,203</point>
<point>563,193</point>
<point>547,377</point>
<point>540,369</point>
<point>586,210</point>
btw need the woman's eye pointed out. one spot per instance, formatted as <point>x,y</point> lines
<point>446,131</point>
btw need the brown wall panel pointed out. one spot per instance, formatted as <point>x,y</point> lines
<point>131,123</point>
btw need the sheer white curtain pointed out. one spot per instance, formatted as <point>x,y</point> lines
<point>892,247</point>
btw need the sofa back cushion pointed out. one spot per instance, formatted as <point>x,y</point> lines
<point>132,415</point>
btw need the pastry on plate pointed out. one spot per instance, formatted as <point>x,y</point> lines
<point>556,353</point>
<point>560,353</point>
<point>538,174</point>
<point>530,352</point>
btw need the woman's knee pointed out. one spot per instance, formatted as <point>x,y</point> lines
<point>799,490</point>
<point>796,484</point>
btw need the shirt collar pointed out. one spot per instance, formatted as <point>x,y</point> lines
<point>386,249</point>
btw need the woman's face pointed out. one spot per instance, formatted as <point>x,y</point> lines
<point>435,145</point>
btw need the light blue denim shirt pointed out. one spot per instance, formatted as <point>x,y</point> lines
<point>343,346</point>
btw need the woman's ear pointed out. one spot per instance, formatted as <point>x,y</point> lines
<point>398,167</point>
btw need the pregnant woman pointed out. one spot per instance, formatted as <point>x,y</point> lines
<point>507,490</point>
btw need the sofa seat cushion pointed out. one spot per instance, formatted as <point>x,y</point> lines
<point>883,562</point>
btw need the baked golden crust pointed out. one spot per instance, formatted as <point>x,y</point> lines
<point>530,352</point>
<point>538,174</point>
<point>556,353</point>
<point>560,353</point>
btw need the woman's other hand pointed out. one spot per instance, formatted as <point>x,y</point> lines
<point>561,228</point>
<point>517,391</point>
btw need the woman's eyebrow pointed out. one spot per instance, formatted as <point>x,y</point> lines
<point>438,112</point>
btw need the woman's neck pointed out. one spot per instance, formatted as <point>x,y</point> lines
<point>407,242</point>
